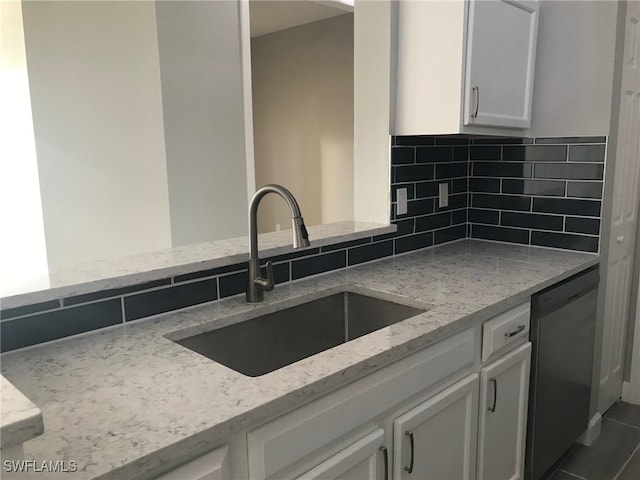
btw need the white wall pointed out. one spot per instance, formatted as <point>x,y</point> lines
<point>203,106</point>
<point>23,254</point>
<point>302,81</point>
<point>96,101</point>
<point>574,68</point>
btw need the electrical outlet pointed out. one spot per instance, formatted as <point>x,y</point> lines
<point>402,201</point>
<point>443,195</point>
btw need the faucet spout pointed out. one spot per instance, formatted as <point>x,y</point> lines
<point>256,284</point>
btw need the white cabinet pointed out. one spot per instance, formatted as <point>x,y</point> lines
<point>465,66</point>
<point>366,459</point>
<point>504,393</point>
<point>210,466</point>
<point>437,439</point>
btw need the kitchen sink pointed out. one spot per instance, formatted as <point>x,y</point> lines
<point>263,344</point>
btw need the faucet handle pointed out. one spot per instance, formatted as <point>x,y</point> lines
<point>268,283</point>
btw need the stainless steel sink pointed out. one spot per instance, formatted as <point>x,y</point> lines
<point>269,342</point>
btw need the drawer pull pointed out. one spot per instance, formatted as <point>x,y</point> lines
<point>494,382</point>
<point>385,456</point>
<point>409,434</point>
<point>513,333</point>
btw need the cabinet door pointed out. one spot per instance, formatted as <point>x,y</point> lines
<point>504,395</point>
<point>437,439</point>
<point>362,460</point>
<point>211,466</point>
<point>500,58</point>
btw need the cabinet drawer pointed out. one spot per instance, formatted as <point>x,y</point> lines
<point>210,466</point>
<point>505,330</point>
<point>290,438</point>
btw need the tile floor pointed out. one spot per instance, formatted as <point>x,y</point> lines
<point>615,455</point>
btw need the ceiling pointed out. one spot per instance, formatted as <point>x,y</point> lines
<point>268,16</point>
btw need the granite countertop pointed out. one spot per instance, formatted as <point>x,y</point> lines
<point>144,267</point>
<point>127,402</point>
<point>20,419</point>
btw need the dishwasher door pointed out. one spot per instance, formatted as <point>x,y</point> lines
<point>562,335</point>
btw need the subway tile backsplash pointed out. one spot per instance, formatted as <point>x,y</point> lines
<point>542,191</point>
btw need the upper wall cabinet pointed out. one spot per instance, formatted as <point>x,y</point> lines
<point>465,66</point>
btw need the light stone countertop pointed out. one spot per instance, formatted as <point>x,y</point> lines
<point>146,267</point>
<point>126,402</point>
<point>20,419</point>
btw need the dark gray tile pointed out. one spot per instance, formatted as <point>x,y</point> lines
<point>569,171</point>
<point>431,222</point>
<point>27,309</point>
<point>534,153</point>
<point>485,152</point>
<point>460,154</point>
<point>367,253</point>
<point>403,155</point>
<point>584,189</point>
<point>459,216</point>
<point>343,245</point>
<point>582,225</point>
<point>567,206</point>
<point>547,188</point>
<point>114,292</point>
<point>563,140</point>
<point>449,234</point>
<point>427,189</point>
<point>413,173</point>
<point>413,242</point>
<point>501,202</point>
<point>212,272</point>
<point>297,253</point>
<point>491,217</point>
<point>564,240</point>
<point>434,154</point>
<point>491,185</point>
<point>453,140</point>
<point>451,170</point>
<point>501,141</point>
<point>411,191</point>
<point>501,234</point>
<point>625,413</point>
<point>502,169</point>
<point>145,304</point>
<point>405,227</point>
<point>532,220</point>
<point>455,202</point>
<point>458,185</point>
<point>43,327</point>
<point>236,283</point>
<point>560,475</point>
<point>604,459</point>
<point>419,207</point>
<point>318,264</point>
<point>586,153</point>
<point>415,140</point>
<point>632,469</point>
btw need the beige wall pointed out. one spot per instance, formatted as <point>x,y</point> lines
<point>303,120</point>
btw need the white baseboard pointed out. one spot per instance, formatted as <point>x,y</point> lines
<point>626,391</point>
<point>592,432</point>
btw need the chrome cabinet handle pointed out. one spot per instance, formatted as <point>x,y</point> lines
<point>494,381</point>
<point>409,434</point>
<point>477,90</point>
<point>385,456</point>
<point>513,333</point>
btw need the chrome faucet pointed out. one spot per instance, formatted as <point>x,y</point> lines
<point>256,285</point>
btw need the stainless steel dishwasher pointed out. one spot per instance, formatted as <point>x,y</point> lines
<point>562,336</point>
